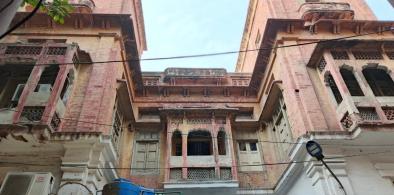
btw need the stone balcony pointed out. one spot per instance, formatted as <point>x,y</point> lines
<point>34,110</point>
<point>83,6</point>
<point>312,12</point>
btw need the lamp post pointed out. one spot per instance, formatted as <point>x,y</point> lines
<point>314,149</point>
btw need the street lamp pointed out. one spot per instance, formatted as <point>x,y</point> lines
<point>314,149</point>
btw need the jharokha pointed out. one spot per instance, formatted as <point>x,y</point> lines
<point>323,71</point>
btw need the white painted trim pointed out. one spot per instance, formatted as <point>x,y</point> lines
<point>267,192</point>
<point>202,185</point>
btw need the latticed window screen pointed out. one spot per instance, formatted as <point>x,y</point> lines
<point>55,122</point>
<point>322,64</point>
<point>367,55</point>
<point>201,173</point>
<point>339,55</point>
<point>351,82</point>
<point>389,112</point>
<point>33,113</point>
<point>346,121</point>
<point>390,55</point>
<point>334,88</point>
<point>23,50</point>
<point>116,127</point>
<point>176,174</point>
<point>225,173</point>
<point>57,50</point>
<point>367,113</point>
<point>379,81</point>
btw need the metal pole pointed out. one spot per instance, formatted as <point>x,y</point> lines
<point>336,178</point>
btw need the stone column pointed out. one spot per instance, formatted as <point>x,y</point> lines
<point>168,151</point>
<point>324,182</point>
<point>31,84</point>
<point>184,155</point>
<point>231,151</point>
<point>74,166</point>
<point>81,165</point>
<point>55,94</point>
<point>214,134</point>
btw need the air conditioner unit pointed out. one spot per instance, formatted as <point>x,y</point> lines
<point>18,92</point>
<point>27,183</point>
<point>44,88</point>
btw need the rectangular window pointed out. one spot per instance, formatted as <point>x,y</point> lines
<point>146,154</point>
<point>253,146</point>
<point>117,129</point>
<point>249,156</point>
<point>242,146</point>
<point>282,131</point>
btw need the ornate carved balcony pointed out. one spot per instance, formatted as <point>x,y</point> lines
<point>83,6</point>
<point>312,12</point>
<point>195,72</point>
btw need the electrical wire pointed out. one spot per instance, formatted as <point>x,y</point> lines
<point>17,25</point>
<point>6,6</point>
<point>159,168</point>
<point>217,53</point>
<point>232,139</point>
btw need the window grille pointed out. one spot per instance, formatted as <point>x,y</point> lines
<point>367,55</point>
<point>322,64</point>
<point>389,112</point>
<point>351,82</point>
<point>225,173</point>
<point>176,174</point>
<point>368,113</point>
<point>379,81</point>
<point>23,50</point>
<point>59,51</point>
<point>75,60</point>
<point>116,130</point>
<point>151,82</point>
<point>240,82</point>
<point>116,127</point>
<point>33,113</point>
<point>339,55</point>
<point>55,122</point>
<point>199,121</point>
<point>201,173</point>
<point>390,55</point>
<point>346,121</point>
<point>334,89</point>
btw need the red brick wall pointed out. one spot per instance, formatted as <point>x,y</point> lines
<point>286,9</point>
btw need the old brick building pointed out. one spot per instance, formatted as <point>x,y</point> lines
<point>60,112</point>
<point>323,71</point>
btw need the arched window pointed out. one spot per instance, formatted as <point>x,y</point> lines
<point>379,81</point>
<point>199,143</point>
<point>177,144</point>
<point>221,143</point>
<point>334,88</point>
<point>351,82</point>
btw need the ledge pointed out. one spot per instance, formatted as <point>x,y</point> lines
<point>329,10</point>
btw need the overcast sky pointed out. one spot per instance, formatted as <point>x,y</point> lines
<point>183,27</point>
